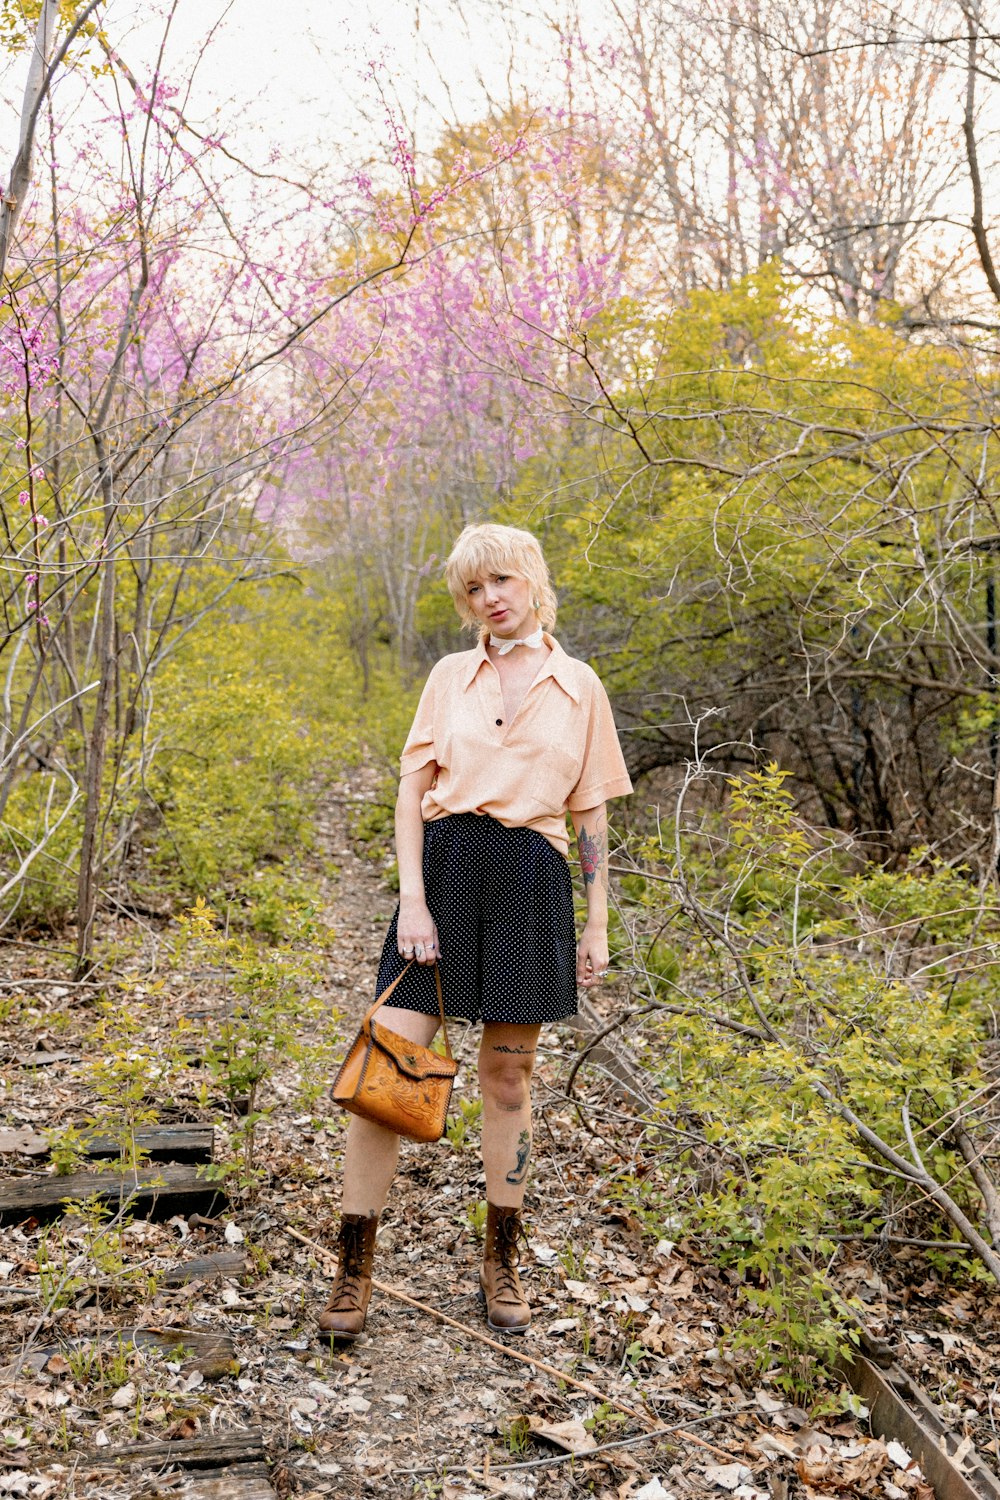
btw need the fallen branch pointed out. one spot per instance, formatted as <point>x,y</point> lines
<point>553,1460</point>
<point>652,1424</point>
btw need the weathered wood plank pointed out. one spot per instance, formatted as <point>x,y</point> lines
<point>899,1409</point>
<point>177,1143</point>
<point>213,1453</point>
<point>214,1354</point>
<point>241,1482</point>
<point>180,1143</point>
<point>205,1268</point>
<point>22,1141</point>
<point>162,1191</point>
<point>44,1059</point>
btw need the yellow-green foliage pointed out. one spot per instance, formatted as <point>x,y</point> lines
<point>765,517</point>
<point>248,715</point>
<point>789,974</point>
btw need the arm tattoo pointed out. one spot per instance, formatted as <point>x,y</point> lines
<point>520,1172</point>
<point>516,1051</point>
<point>593,852</point>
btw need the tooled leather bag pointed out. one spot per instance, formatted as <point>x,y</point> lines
<point>395,1082</point>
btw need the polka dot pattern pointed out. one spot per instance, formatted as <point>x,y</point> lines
<point>502,899</point>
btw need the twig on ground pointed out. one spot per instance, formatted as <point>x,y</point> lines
<point>553,1460</point>
<point>651,1423</point>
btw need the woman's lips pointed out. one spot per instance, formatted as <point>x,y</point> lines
<point>499,614</point>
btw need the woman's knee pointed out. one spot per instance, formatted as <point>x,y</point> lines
<point>506,1061</point>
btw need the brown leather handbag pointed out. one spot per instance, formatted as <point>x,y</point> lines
<point>395,1082</point>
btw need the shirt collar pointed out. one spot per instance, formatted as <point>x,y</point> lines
<point>557,665</point>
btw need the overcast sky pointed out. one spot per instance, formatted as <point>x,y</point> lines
<point>293,73</point>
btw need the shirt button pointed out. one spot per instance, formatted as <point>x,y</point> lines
<point>499,721</point>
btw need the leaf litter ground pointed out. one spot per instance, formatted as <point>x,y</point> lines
<point>414,1408</point>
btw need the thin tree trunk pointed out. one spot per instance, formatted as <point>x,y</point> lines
<point>89,876</point>
<point>35,90</point>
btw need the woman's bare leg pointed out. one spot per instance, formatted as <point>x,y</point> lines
<point>372,1152</point>
<point>506,1060</point>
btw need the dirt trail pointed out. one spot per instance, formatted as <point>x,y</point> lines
<point>412,1409</point>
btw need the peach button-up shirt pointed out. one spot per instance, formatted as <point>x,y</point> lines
<point>559,752</point>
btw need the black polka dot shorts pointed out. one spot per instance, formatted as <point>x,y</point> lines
<point>502,899</point>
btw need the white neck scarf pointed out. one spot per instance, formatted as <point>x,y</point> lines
<point>502,646</point>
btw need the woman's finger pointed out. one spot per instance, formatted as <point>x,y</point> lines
<point>421,945</point>
<point>591,965</point>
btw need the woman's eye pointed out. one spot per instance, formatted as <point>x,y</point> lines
<point>501,577</point>
<point>473,588</point>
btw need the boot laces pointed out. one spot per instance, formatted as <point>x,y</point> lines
<point>508,1255</point>
<point>346,1294</point>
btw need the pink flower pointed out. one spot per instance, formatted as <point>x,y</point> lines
<point>23,498</point>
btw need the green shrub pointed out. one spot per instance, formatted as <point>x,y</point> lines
<point>793,988</point>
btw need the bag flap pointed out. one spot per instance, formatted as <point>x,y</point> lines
<point>410,1058</point>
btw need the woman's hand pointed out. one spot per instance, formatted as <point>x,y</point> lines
<point>592,955</point>
<point>416,933</point>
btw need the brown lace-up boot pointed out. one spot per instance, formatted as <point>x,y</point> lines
<point>344,1314</point>
<point>507,1308</point>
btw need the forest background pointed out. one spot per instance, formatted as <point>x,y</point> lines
<point>707,299</point>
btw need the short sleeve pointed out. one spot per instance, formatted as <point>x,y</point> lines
<point>419,747</point>
<point>604,774</point>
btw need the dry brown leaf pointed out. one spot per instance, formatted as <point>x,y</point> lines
<point>571,1436</point>
<point>187,1427</point>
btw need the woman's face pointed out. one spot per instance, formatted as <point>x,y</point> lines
<point>502,601</point>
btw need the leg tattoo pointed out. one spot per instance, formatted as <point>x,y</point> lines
<point>520,1172</point>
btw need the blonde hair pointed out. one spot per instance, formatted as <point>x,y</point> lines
<point>490,548</point>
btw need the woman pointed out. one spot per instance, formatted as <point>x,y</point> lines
<point>507,738</point>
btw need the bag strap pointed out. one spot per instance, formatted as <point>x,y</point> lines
<point>389,989</point>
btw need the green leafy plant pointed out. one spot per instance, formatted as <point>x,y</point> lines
<point>476,1214</point>
<point>606,1423</point>
<point>516,1435</point>
<point>818,1022</point>
<point>464,1119</point>
<point>267,1005</point>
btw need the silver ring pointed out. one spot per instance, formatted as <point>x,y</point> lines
<point>406,952</point>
